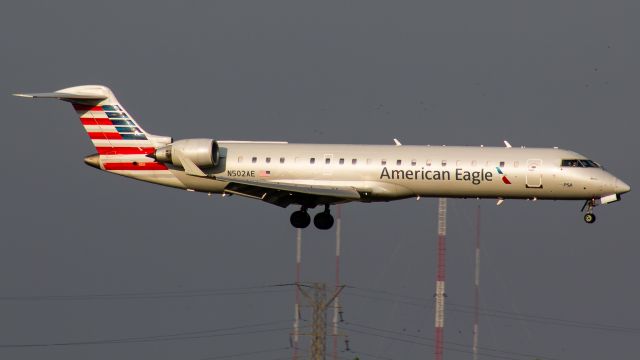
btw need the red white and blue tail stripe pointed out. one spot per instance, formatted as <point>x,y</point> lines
<point>113,131</point>
<point>121,144</point>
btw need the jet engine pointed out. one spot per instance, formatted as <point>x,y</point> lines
<point>202,152</point>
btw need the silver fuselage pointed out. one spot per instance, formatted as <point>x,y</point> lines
<point>323,174</point>
<point>387,172</point>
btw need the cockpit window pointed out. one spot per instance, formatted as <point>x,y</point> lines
<point>589,163</point>
<point>579,163</point>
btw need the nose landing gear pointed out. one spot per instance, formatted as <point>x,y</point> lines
<point>323,221</point>
<point>589,217</point>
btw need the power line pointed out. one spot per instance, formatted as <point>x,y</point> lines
<point>236,355</point>
<point>191,335</point>
<point>385,292</point>
<point>355,351</point>
<point>455,307</point>
<point>485,348</point>
<point>429,345</point>
<point>251,290</point>
<point>416,304</point>
<point>550,321</point>
<point>309,353</point>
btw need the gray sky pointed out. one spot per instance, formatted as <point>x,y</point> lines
<point>538,73</point>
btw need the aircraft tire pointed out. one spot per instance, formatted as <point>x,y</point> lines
<point>300,219</point>
<point>323,220</point>
<point>589,218</point>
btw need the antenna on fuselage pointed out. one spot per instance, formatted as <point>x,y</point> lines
<point>506,143</point>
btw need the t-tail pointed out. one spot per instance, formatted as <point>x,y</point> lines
<point>122,145</point>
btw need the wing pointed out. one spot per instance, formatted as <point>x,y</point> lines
<point>285,194</point>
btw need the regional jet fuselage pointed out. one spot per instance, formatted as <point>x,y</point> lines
<point>311,175</point>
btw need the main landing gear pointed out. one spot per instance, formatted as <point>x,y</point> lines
<point>589,217</point>
<point>300,219</point>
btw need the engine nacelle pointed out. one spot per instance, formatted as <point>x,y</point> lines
<point>202,152</point>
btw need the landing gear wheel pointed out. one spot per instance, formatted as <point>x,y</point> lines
<point>589,218</point>
<point>300,219</point>
<point>323,220</point>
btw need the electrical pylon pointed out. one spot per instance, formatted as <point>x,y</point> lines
<point>319,302</point>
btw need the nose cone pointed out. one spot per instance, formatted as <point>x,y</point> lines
<point>93,160</point>
<point>622,187</point>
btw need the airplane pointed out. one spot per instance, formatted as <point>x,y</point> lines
<point>321,175</point>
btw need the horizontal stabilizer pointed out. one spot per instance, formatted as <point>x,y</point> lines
<point>61,95</point>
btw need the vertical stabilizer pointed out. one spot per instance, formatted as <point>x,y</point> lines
<point>121,143</point>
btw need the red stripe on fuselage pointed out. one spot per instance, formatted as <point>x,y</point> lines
<point>80,107</point>
<point>95,121</point>
<point>105,135</point>
<point>134,166</point>
<point>125,150</point>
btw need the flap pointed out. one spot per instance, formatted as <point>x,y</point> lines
<point>342,192</point>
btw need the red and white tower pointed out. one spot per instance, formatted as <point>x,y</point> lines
<point>440,276</point>
<point>296,313</point>
<point>336,302</point>
<point>476,314</point>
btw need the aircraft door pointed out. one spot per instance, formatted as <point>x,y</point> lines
<point>534,177</point>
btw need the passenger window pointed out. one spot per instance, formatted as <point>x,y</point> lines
<point>413,162</point>
<point>327,161</point>
<point>268,160</point>
<point>501,163</point>
<point>428,162</point>
<point>383,162</point>
<point>239,159</point>
<point>474,163</point>
<point>444,162</point>
<point>368,161</point>
<point>312,160</point>
<point>281,160</point>
<point>254,159</point>
<point>398,162</point>
<point>354,161</point>
<point>459,163</point>
<point>341,161</point>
